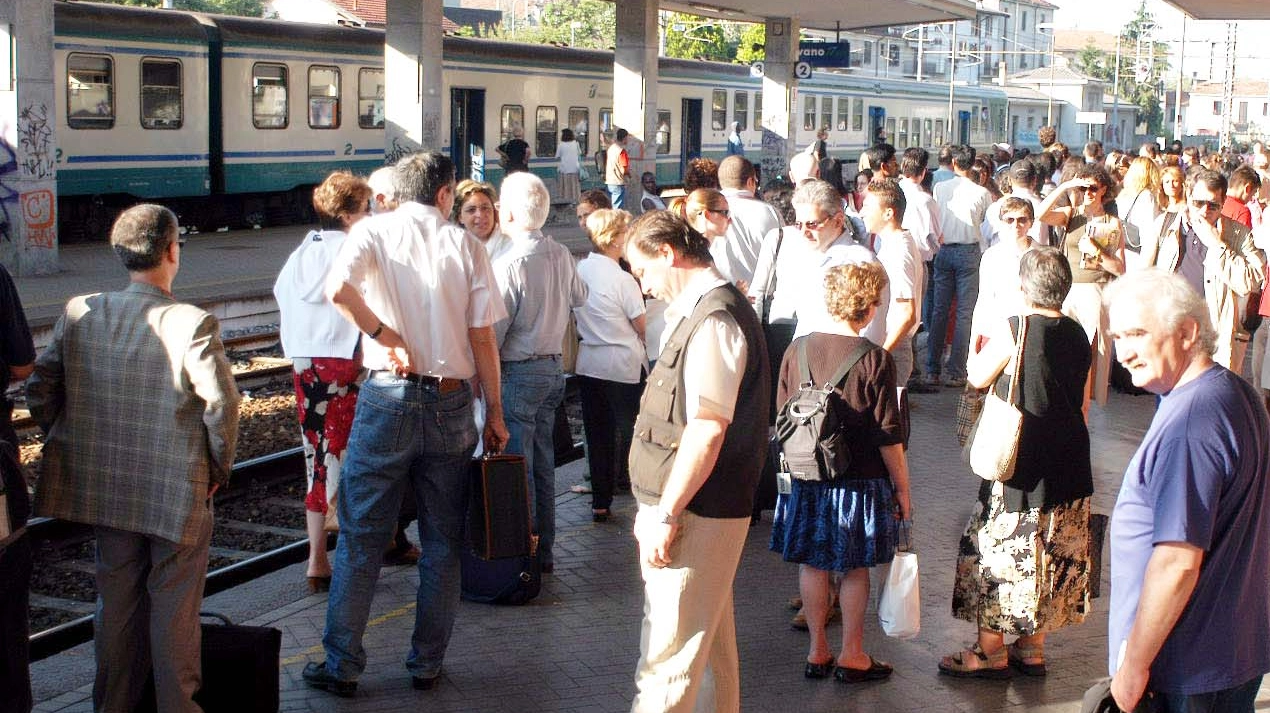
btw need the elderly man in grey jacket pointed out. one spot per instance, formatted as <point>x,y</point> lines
<point>141,411</point>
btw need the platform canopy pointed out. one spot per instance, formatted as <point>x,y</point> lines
<point>833,14</point>
<point>1224,9</point>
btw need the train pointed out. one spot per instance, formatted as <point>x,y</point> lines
<point>231,121</point>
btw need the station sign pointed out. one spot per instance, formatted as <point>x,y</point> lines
<point>825,54</point>
<point>1091,117</point>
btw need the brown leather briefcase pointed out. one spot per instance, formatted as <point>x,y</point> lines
<point>498,522</point>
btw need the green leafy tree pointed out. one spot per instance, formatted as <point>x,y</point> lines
<point>750,45</point>
<point>692,37</point>
<point>246,8</point>
<point>1138,50</point>
<point>585,23</point>
<point>1093,62</point>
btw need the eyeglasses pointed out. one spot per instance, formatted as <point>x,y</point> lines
<point>1087,189</point>
<point>814,224</point>
<point>1205,205</point>
<point>1020,219</point>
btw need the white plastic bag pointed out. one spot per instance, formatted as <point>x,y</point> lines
<point>900,602</point>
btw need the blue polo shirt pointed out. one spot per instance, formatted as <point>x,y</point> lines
<point>1200,477</point>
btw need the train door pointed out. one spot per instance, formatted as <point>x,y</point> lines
<point>877,124</point>
<point>467,133</point>
<point>963,128</point>
<point>689,133</point>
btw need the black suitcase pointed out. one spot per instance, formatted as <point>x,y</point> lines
<point>498,523</point>
<point>506,580</point>
<point>240,669</point>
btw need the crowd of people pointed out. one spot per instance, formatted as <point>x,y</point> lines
<point>429,319</point>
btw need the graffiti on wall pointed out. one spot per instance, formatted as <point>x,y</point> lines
<point>35,141</point>
<point>37,218</point>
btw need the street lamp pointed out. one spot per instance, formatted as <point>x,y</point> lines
<point>1049,110</point>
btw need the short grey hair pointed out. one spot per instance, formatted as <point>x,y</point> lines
<point>803,166</point>
<point>1045,276</point>
<point>142,234</point>
<point>525,196</point>
<point>818,193</point>
<point>1172,300</point>
<point>383,182</point>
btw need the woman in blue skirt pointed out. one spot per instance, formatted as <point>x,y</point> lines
<point>836,530</point>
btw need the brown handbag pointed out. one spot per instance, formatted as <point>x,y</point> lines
<point>498,522</point>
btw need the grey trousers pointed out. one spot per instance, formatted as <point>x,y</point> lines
<point>149,591</point>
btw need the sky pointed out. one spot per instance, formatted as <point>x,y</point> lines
<point>1252,52</point>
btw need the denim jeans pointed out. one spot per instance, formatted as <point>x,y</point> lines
<point>532,390</point>
<point>617,194</point>
<point>956,273</point>
<point>402,432</point>
<point>1238,699</point>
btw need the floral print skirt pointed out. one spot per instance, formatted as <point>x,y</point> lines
<point>326,395</point>
<point>1023,573</point>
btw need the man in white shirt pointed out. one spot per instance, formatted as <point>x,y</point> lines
<point>963,204</point>
<point>422,291</point>
<point>540,285</point>
<point>883,205</point>
<point>751,219</point>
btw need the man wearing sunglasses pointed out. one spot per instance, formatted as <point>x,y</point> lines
<point>1215,255</point>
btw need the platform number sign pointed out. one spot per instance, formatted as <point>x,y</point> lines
<point>757,68</point>
<point>802,70</point>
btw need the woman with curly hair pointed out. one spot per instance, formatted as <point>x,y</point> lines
<point>838,529</point>
<point>701,173</point>
<point>475,208</point>
<point>323,349</point>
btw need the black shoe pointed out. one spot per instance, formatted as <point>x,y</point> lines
<point>875,672</point>
<point>819,670</point>
<point>601,515</point>
<point>423,683</point>
<point>316,675</point>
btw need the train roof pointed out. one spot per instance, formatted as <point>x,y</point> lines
<point>257,32</point>
<point>86,19</point>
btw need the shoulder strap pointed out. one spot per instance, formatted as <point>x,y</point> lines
<point>804,371</point>
<point>1018,359</point>
<point>849,363</point>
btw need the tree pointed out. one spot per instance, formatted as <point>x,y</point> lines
<point>692,37</point>
<point>245,8</point>
<point>585,23</point>
<point>1138,51</point>
<point>750,45</point>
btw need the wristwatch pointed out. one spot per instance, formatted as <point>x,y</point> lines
<point>664,517</point>
<point>378,331</point>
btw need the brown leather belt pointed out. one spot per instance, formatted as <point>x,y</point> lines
<point>443,384</point>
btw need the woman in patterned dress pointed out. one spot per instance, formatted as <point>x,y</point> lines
<point>323,348</point>
<point>1023,563</point>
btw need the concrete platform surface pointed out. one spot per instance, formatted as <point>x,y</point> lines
<point>574,649</point>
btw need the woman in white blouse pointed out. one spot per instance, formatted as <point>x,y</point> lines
<point>568,153</point>
<point>611,357</point>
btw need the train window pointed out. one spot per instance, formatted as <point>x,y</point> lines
<point>719,109</point>
<point>663,131</point>
<point>324,97</point>
<point>929,133</point>
<point>890,130</point>
<point>902,137</point>
<point>938,140</point>
<point>545,123</point>
<point>510,118</point>
<point>161,106</point>
<point>370,98</point>
<point>580,122</point>
<point>269,96</point>
<point>758,111</point>
<point>606,122</point>
<point>857,115</point>
<point>915,137</point>
<point>741,109</point>
<point>826,112</point>
<point>809,113</point>
<point>844,108</point>
<point>90,91</point>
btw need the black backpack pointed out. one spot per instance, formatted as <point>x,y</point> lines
<point>813,441</point>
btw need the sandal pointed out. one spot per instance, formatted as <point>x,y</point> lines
<point>975,663</point>
<point>1028,659</point>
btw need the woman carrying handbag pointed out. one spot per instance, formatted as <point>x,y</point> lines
<point>1023,561</point>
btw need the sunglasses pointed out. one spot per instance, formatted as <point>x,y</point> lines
<point>814,224</point>
<point>1205,205</point>
<point>1087,189</point>
<point>1020,219</point>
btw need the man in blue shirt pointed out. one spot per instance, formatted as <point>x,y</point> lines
<point>1189,618</point>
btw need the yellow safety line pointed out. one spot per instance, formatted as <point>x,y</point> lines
<point>304,655</point>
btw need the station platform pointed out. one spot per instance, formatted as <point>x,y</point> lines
<point>574,648</point>
<point>216,268</point>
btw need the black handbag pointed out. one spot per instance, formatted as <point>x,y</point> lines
<point>240,669</point>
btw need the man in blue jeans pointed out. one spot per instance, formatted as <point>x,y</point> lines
<point>962,207</point>
<point>539,283</point>
<point>422,291</point>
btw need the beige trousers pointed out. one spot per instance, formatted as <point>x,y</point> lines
<point>688,622</point>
